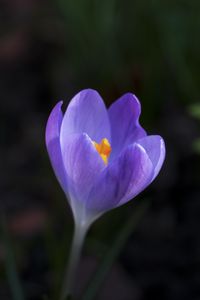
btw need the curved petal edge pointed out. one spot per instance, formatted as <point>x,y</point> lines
<point>154,145</point>
<point>124,119</point>
<point>52,138</point>
<point>122,180</point>
<point>86,113</point>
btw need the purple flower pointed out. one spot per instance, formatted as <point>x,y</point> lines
<point>102,158</point>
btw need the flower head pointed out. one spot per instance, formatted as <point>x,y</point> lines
<point>102,158</point>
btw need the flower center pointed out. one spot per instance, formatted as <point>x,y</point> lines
<point>104,149</point>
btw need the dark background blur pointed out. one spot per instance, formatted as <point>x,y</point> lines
<point>50,50</point>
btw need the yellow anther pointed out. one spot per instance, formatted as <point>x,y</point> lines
<point>104,149</point>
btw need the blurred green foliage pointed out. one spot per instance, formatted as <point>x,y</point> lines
<point>194,110</point>
<point>112,254</point>
<point>149,47</point>
<point>10,263</point>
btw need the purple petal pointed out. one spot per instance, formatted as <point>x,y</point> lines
<point>83,165</point>
<point>122,180</point>
<point>155,147</point>
<point>86,113</point>
<point>52,137</point>
<point>124,119</point>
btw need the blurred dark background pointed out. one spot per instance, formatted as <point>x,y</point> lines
<point>50,50</point>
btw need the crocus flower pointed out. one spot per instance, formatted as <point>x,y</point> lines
<point>102,158</point>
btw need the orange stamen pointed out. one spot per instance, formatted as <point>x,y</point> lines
<point>104,149</point>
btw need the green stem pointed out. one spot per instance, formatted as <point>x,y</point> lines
<point>76,247</point>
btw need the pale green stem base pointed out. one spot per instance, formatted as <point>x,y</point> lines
<point>76,247</point>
